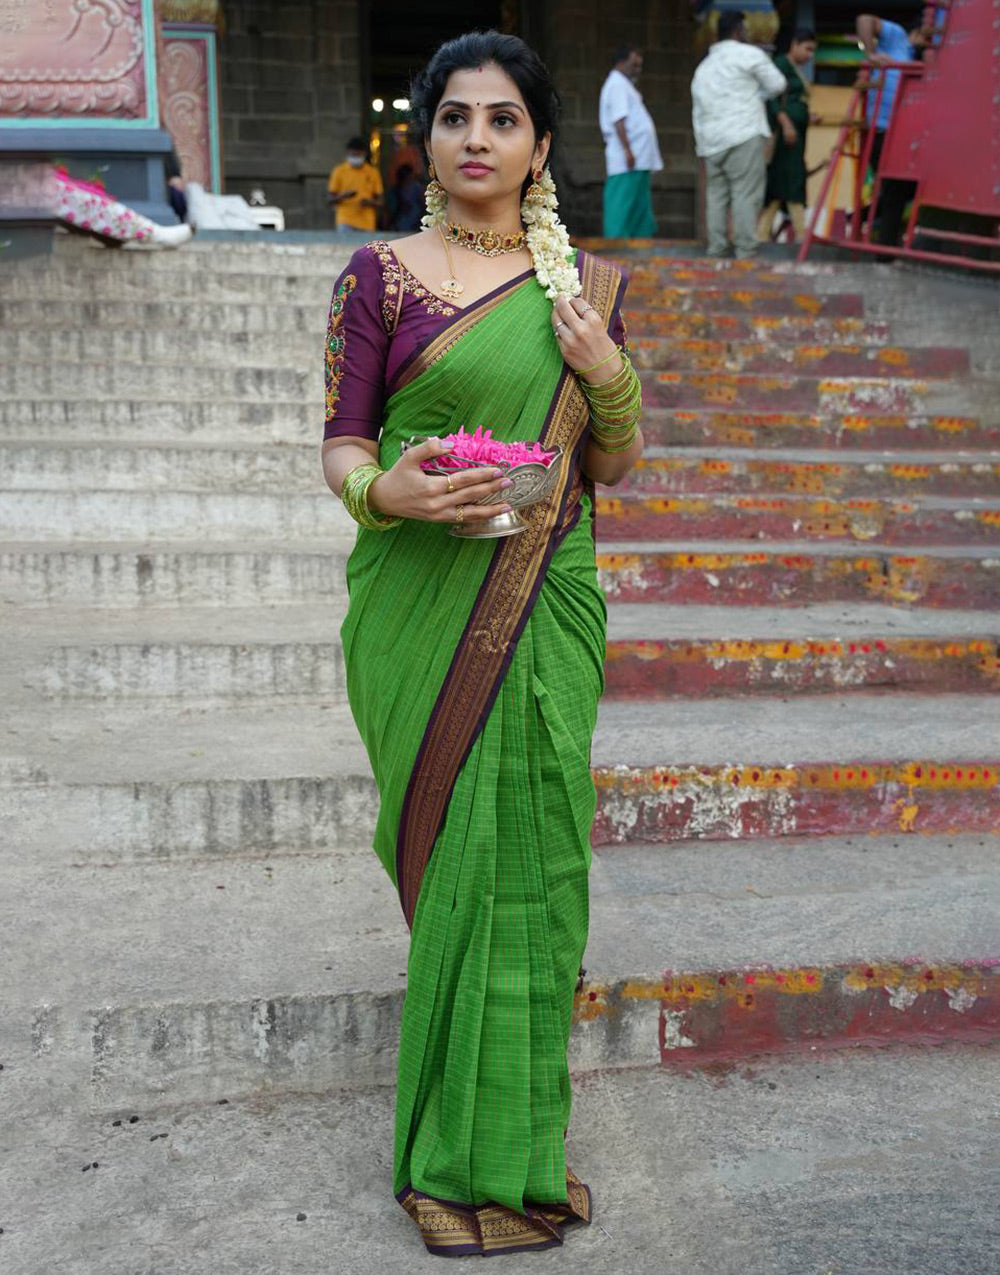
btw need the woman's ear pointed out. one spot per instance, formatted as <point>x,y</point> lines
<point>542,151</point>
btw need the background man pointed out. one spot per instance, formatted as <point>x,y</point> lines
<point>730,124</point>
<point>355,189</point>
<point>883,41</point>
<point>631,151</point>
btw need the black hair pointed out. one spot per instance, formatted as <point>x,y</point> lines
<point>803,35</point>
<point>730,21</point>
<point>357,144</point>
<point>622,53</point>
<point>510,54</point>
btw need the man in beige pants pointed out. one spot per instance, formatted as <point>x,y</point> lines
<point>728,93</point>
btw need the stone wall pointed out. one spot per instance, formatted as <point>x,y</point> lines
<point>577,38</point>
<point>291,96</point>
<point>293,81</point>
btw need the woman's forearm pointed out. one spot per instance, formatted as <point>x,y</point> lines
<point>341,455</point>
<point>610,468</point>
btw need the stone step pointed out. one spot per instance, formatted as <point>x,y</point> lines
<point>660,353</point>
<point>69,282</point>
<point>312,283</point>
<point>769,302</point>
<point>160,573</point>
<point>794,574</point>
<point>676,471</point>
<point>829,397</point>
<point>749,327</point>
<point>170,574</point>
<point>95,784</point>
<point>919,522</point>
<point>198,981</point>
<point>234,317</point>
<point>150,421</point>
<point>694,651</point>
<point>166,382</point>
<point>67,465</point>
<point>844,429</point>
<point>865,1134</point>
<point>270,654</point>
<point>181,515</point>
<point>297,350</point>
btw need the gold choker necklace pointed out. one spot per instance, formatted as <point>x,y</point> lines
<point>488,243</point>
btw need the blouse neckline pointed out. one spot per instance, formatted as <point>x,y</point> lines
<point>405,270</point>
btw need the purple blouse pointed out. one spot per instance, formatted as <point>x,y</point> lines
<point>380,316</point>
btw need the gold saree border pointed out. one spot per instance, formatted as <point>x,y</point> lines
<point>498,617</point>
<point>450,1229</point>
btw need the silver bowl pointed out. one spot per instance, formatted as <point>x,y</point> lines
<point>532,481</point>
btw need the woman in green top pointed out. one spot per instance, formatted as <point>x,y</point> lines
<point>788,115</point>
<point>474,666</point>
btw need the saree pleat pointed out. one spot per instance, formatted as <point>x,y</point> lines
<point>500,922</point>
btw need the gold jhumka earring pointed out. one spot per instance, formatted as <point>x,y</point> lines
<point>535,194</point>
<point>434,188</point>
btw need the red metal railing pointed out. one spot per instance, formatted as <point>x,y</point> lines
<point>941,135</point>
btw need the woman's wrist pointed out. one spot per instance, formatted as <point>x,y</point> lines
<point>605,369</point>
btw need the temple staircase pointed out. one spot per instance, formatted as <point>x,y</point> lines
<point>797,760</point>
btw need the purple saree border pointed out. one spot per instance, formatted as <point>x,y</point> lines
<point>555,536</point>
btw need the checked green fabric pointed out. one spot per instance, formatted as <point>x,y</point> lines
<point>483,1095</point>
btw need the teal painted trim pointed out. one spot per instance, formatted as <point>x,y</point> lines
<point>152,116</point>
<point>211,61</point>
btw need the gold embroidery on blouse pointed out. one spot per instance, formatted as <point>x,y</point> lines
<point>399,283</point>
<point>336,344</point>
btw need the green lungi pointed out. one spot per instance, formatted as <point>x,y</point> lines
<point>628,206</point>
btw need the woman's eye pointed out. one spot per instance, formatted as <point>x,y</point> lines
<point>453,117</point>
<point>504,119</point>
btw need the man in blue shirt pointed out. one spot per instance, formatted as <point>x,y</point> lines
<point>882,42</point>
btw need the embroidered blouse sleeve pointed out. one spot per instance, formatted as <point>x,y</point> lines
<point>357,346</point>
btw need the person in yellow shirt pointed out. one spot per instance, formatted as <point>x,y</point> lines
<point>355,189</point>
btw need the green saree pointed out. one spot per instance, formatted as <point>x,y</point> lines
<point>474,670</point>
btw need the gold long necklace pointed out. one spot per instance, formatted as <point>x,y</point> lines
<point>450,287</point>
<point>488,243</point>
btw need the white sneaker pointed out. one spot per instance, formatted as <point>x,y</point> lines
<point>163,237</point>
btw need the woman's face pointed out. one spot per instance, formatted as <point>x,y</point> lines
<point>482,139</point>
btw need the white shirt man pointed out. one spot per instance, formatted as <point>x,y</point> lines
<point>728,93</point>
<point>631,151</point>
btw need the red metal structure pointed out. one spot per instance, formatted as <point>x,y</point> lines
<point>943,135</point>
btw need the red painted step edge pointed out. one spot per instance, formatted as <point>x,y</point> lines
<point>674,803</point>
<point>724,1016</point>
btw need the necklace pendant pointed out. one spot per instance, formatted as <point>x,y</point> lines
<point>452,289</point>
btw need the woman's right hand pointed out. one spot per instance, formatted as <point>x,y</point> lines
<point>405,491</point>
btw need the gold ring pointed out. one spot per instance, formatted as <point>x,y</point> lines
<point>451,485</point>
<point>459,513</point>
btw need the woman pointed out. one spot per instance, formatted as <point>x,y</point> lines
<point>788,115</point>
<point>474,666</point>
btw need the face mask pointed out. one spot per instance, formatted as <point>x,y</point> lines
<point>355,161</point>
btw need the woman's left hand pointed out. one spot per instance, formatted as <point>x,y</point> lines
<point>582,338</point>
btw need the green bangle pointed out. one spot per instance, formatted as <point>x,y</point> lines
<point>354,494</point>
<point>617,350</point>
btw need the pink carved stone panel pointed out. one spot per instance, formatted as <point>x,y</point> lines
<point>187,108</point>
<point>73,58</point>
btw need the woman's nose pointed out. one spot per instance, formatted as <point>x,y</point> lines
<point>477,138</point>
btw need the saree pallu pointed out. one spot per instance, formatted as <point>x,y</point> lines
<point>474,669</point>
